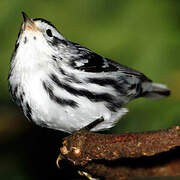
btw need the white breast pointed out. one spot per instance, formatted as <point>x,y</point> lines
<point>32,66</point>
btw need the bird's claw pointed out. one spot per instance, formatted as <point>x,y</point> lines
<point>89,176</point>
<point>59,158</point>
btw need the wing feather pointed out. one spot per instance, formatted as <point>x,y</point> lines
<point>89,61</point>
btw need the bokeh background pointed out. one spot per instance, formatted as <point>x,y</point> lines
<point>141,34</point>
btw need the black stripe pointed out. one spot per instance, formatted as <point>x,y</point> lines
<point>28,111</point>
<point>56,41</point>
<point>64,86</point>
<point>118,84</point>
<point>14,54</point>
<point>102,82</point>
<point>45,21</point>
<point>56,58</point>
<point>19,33</point>
<point>21,97</point>
<point>113,103</point>
<point>115,106</point>
<point>82,92</point>
<point>25,40</point>
<point>58,100</point>
<point>62,71</point>
<point>16,46</point>
<point>69,77</point>
<point>17,94</point>
<point>14,92</point>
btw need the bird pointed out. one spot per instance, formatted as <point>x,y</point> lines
<point>64,86</point>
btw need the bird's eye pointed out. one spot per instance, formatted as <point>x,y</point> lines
<point>49,32</point>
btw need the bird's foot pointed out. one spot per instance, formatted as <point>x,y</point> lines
<point>89,176</point>
<point>59,158</point>
<point>93,124</point>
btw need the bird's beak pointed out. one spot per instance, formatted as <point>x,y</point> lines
<point>28,23</point>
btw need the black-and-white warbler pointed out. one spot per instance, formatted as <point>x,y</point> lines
<point>62,85</point>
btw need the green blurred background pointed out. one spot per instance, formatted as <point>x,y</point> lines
<point>143,34</point>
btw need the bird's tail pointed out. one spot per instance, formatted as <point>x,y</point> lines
<point>154,90</point>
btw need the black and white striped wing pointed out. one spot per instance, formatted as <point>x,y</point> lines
<point>88,61</point>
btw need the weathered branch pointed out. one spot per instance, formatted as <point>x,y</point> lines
<point>124,155</point>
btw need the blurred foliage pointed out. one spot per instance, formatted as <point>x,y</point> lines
<point>141,34</point>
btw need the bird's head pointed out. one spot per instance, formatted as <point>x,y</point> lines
<point>38,42</point>
<point>38,33</point>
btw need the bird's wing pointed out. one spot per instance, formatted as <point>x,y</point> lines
<point>88,61</point>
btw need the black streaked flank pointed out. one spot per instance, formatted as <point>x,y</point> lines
<point>21,97</point>
<point>14,92</point>
<point>69,77</point>
<point>118,84</point>
<point>115,106</point>
<point>112,103</point>
<point>95,97</point>
<point>58,100</point>
<point>62,71</point>
<point>64,86</point>
<point>28,111</point>
<point>56,58</point>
